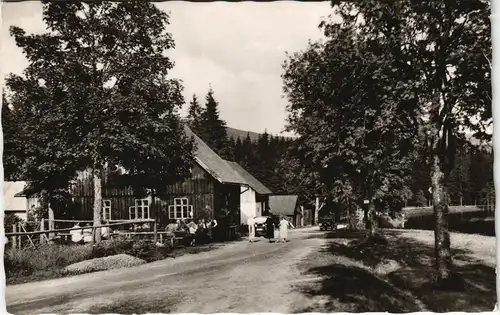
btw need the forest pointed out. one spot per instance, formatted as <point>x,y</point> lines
<point>269,156</point>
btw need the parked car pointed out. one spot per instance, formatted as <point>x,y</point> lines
<point>260,226</point>
<point>326,223</point>
<point>329,223</point>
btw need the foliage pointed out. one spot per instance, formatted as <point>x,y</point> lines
<point>213,128</point>
<point>195,115</point>
<point>50,259</point>
<point>447,46</point>
<point>10,219</point>
<point>356,132</point>
<point>96,93</point>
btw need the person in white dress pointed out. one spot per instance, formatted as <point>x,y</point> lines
<point>251,229</point>
<point>76,235</point>
<point>284,224</point>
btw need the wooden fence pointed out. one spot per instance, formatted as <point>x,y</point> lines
<point>20,237</point>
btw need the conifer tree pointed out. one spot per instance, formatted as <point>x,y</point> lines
<point>214,131</point>
<point>195,115</point>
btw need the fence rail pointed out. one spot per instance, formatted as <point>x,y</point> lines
<point>16,241</point>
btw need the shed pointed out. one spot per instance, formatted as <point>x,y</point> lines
<point>287,205</point>
<point>14,201</point>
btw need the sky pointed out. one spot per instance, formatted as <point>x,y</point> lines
<point>237,48</point>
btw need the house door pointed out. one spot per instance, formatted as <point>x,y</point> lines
<point>258,211</point>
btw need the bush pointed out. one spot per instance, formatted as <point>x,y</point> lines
<point>9,220</point>
<point>146,250</point>
<point>22,262</point>
<point>47,261</point>
<point>112,247</point>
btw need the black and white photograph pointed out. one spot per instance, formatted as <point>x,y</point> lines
<point>248,156</point>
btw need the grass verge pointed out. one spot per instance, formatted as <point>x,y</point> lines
<point>395,275</point>
<point>48,261</point>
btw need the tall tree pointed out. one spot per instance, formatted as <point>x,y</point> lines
<point>11,141</point>
<point>448,45</point>
<point>357,133</point>
<point>195,115</point>
<point>96,93</point>
<point>214,131</point>
<point>239,153</point>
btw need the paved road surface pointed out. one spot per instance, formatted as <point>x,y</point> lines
<point>239,277</point>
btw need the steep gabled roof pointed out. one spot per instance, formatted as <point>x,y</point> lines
<point>251,181</point>
<point>211,162</point>
<point>284,204</point>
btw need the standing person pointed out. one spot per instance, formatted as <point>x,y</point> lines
<point>213,229</point>
<point>251,229</point>
<point>284,224</point>
<point>269,228</point>
<point>192,228</point>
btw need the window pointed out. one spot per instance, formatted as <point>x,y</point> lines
<point>140,210</point>
<point>106,210</point>
<point>181,209</point>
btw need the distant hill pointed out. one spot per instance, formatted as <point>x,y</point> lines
<point>254,136</point>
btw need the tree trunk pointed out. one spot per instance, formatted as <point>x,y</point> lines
<point>96,236</point>
<point>370,219</point>
<point>441,232</point>
<point>51,220</point>
<point>301,215</point>
<point>316,212</point>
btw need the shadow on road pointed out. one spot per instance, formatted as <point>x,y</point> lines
<point>393,274</point>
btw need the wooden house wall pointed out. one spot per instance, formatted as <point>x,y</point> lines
<point>228,197</point>
<point>199,189</point>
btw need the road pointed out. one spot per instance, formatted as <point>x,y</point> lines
<point>239,277</point>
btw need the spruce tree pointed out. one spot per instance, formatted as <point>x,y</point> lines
<point>214,131</point>
<point>195,114</point>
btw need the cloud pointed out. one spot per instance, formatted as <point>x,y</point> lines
<point>238,48</point>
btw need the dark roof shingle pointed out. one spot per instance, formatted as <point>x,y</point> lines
<point>283,205</point>
<point>253,182</point>
<point>212,162</point>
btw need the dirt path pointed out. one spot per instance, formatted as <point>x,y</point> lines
<point>239,277</point>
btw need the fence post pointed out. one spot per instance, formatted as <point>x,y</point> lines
<point>155,232</point>
<point>51,221</point>
<point>19,229</point>
<point>42,228</point>
<point>14,238</point>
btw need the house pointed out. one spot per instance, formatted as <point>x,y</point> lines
<point>254,195</point>
<point>15,202</point>
<point>215,184</point>
<point>289,206</point>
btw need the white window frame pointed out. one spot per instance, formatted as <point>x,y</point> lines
<point>106,210</point>
<point>181,209</point>
<point>141,210</point>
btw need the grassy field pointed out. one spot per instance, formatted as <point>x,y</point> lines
<point>411,212</point>
<point>466,219</point>
<point>395,274</point>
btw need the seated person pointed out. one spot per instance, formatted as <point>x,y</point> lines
<point>105,231</point>
<point>76,235</point>
<point>171,227</point>
<point>87,233</point>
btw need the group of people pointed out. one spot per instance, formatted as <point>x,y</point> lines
<point>275,229</point>
<point>200,229</point>
<point>85,234</point>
